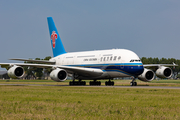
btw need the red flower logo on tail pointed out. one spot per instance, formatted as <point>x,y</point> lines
<point>53,38</point>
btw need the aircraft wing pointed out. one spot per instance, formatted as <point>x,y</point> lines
<point>83,71</point>
<point>70,69</point>
<point>156,66</point>
<point>37,61</point>
<point>26,64</point>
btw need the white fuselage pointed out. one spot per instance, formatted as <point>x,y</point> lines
<point>114,63</point>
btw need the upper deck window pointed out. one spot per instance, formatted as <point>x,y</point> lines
<point>107,55</point>
<point>86,56</point>
<point>69,57</point>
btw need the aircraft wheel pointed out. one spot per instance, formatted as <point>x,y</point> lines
<point>106,83</point>
<point>112,83</point>
<point>74,83</point>
<point>131,84</point>
<point>135,83</point>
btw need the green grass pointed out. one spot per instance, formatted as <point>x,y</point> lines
<point>64,102</point>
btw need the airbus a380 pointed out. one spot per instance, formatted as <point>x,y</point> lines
<point>91,65</point>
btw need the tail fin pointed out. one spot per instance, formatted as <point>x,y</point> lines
<point>56,43</point>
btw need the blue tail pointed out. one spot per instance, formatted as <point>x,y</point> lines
<point>56,42</point>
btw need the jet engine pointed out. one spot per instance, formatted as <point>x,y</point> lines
<point>15,72</point>
<point>164,72</point>
<point>58,75</point>
<point>147,76</point>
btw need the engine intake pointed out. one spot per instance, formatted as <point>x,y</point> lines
<point>164,72</point>
<point>147,75</point>
<point>15,72</point>
<point>58,75</point>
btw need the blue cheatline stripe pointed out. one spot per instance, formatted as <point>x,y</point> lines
<point>113,64</point>
<point>133,69</point>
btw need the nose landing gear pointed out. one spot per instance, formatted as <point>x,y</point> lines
<point>133,83</point>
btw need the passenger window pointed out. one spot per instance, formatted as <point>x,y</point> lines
<point>107,58</point>
<point>115,57</point>
<point>101,58</point>
<point>119,57</point>
<point>111,58</point>
<point>104,58</point>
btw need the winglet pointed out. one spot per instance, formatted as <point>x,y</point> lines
<point>56,43</point>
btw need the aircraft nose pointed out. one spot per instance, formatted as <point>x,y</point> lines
<point>136,70</point>
<point>140,70</point>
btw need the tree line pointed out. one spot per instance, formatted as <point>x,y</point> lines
<point>37,73</point>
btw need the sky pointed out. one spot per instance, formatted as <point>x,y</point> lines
<point>150,28</point>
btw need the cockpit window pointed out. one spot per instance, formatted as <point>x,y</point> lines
<point>133,60</point>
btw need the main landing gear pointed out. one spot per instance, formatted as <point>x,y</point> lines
<point>133,83</point>
<point>77,82</point>
<point>109,83</point>
<point>95,82</point>
<point>98,83</point>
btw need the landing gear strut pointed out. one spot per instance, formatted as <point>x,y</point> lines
<point>133,83</point>
<point>109,83</point>
<point>95,83</point>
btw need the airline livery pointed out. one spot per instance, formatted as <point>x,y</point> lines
<point>91,65</point>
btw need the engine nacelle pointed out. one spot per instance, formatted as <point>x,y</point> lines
<point>15,72</point>
<point>58,75</point>
<point>164,72</point>
<point>147,75</point>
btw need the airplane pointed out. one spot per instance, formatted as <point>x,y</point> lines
<point>91,65</point>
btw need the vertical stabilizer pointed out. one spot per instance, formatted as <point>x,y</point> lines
<point>56,43</point>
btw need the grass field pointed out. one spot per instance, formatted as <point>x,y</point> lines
<point>78,102</point>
